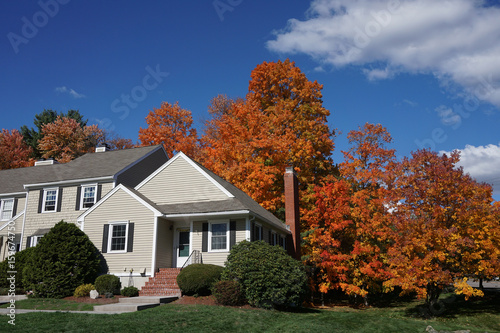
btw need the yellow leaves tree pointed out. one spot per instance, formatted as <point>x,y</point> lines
<point>170,126</point>
<point>14,152</point>
<point>65,139</point>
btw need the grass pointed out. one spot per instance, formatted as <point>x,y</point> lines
<point>51,304</point>
<point>477,316</point>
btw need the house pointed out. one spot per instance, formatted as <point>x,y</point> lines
<point>142,210</point>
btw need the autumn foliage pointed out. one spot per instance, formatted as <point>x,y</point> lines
<point>65,139</point>
<point>14,152</point>
<point>170,125</point>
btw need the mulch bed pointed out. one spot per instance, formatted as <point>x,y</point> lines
<point>99,300</point>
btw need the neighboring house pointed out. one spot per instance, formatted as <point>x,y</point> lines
<point>141,210</point>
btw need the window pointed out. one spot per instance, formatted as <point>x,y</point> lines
<point>283,242</point>
<point>88,196</point>
<point>34,240</point>
<point>50,200</point>
<point>258,235</point>
<point>118,233</point>
<point>274,238</point>
<point>6,209</point>
<point>219,237</point>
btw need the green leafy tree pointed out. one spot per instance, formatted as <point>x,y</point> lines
<point>64,259</point>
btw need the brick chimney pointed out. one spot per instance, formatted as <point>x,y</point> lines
<point>292,213</point>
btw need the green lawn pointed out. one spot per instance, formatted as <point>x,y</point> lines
<point>479,316</point>
<point>51,304</point>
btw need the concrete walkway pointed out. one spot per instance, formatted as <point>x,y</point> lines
<point>124,305</point>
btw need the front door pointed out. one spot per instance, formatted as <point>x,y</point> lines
<point>183,248</point>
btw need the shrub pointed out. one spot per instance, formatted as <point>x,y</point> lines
<point>108,284</point>
<point>228,292</point>
<point>83,290</point>
<point>270,278</point>
<point>198,278</point>
<point>21,258</point>
<point>63,259</point>
<point>130,292</point>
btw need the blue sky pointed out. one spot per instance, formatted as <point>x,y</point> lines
<point>427,70</point>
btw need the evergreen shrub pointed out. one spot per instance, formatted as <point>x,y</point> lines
<point>63,259</point>
<point>198,279</point>
<point>83,290</point>
<point>108,284</point>
<point>130,292</point>
<point>228,292</point>
<point>270,278</point>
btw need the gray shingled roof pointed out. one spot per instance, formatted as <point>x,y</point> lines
<point>92,165</point>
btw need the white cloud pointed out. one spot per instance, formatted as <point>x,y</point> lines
<point>455,40</point>
<point>448,117</point>
<point>482,163</point>
<point>70,91</point>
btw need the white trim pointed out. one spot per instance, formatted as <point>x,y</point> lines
<point>195,215</point>
<point>7,222</point>
<point>13,194</point>
<point>24,220</point>
<point>81,218</point>
<point>193,164</point>
<point>82,194</point>
<point>69,182</point>
<point>210,224</point>
<point>110,236</point>
<point>155,235</point>
<point>45,190</point>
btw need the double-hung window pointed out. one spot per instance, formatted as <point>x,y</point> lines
<point>88,197</point>
<point>50,200</point>
<point>259,234</point>
<point>219,236</point>
<point>118,235</point>
<point>6,208</point>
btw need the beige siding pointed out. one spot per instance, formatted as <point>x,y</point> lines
<point>35,220</point>
<point>180,182</point>
<point>122,207</point>
<point>14,228</point>
<point>216,258</point>
<point>164,244</point>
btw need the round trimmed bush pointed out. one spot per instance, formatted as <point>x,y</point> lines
<point>108,284</point>
<point>270,278</point>
<point>198,279</point>
<point>63,259</point>
<point>228,292</point>
<point>83,290</point>
<point>130,292</point>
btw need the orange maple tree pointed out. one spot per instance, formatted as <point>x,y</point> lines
<point>65,139</point>
<point>280,123</point>
<point>170,125</point>
<point>445,227</point>
<point>14,152</point>
<point>349,226</point>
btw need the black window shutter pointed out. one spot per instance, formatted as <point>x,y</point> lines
<point>99,192</point>
<point>105,233</point>
<point>270,239</point>
<point>40,201</point>
<point>130,240</point>
<point>28,242</point>
<point>59,199</point>
<point>204,237</point>
<point>252,232</point>
<point>14,209</point>
<point>232,234</point>
<point>78,197</point>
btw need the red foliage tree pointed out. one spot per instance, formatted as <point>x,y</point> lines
<point>14,152</point>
